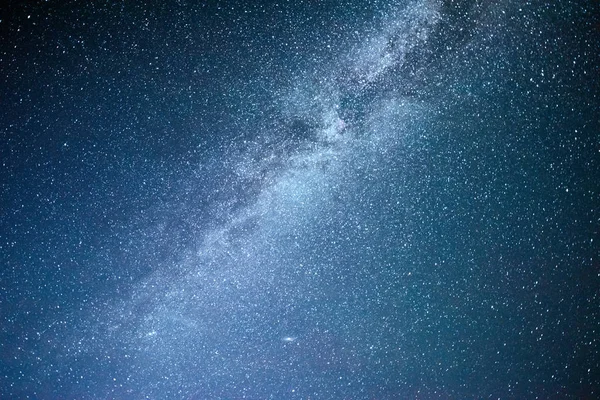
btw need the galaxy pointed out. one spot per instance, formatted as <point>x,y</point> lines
<point>381,199</point>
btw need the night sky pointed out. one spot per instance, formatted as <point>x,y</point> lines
<point>300,199</point>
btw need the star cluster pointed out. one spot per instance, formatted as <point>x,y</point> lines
<point>299,200</point>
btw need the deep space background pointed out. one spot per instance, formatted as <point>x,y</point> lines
<point>299,199</point>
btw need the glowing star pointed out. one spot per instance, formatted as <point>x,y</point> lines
<point>289,339</point>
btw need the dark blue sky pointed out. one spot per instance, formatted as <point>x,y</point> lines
<point>294,200</point>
